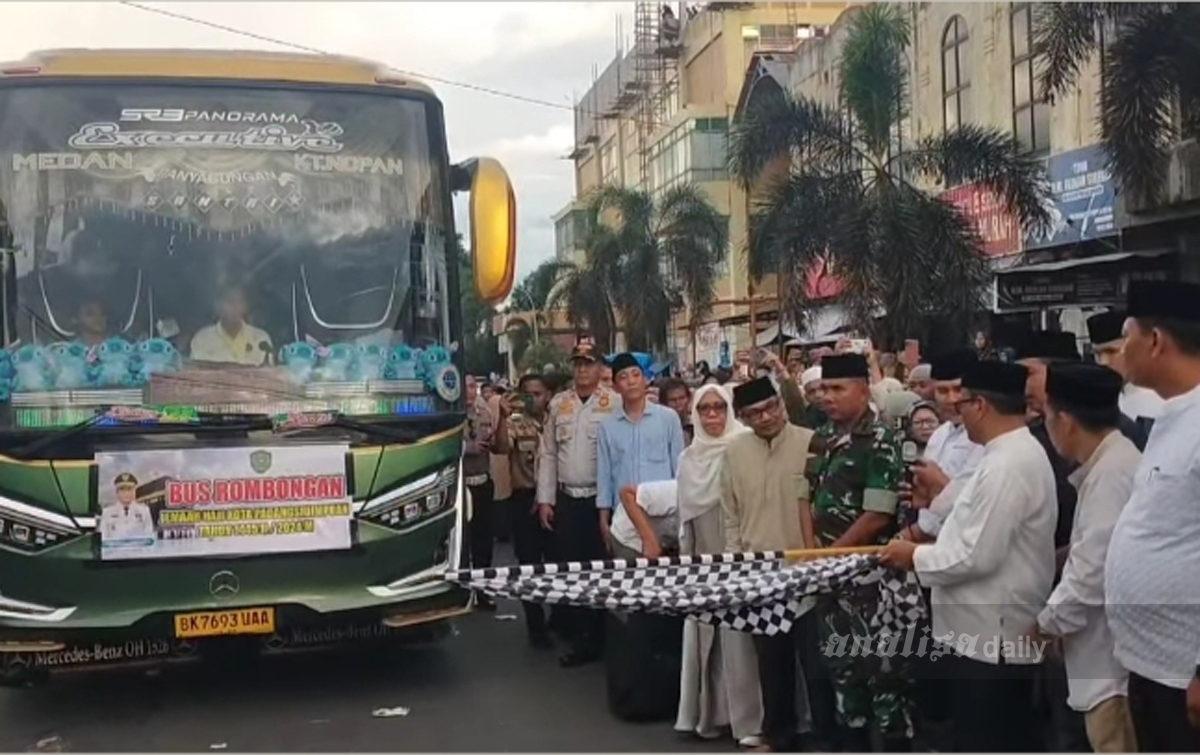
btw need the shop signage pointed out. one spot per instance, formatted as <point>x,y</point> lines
<point>1081,200</point>
<point>984,211</point>
<point>1083,285</point>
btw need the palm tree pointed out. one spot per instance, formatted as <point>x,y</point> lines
<point>1149,91</point>
<point>852,197</point>
<point>645,260</point>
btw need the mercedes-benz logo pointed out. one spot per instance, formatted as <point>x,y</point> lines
<point>224,584</point>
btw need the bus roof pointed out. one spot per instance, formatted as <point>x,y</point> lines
<point>252,65</point>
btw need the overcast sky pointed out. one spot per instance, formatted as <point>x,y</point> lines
<point>543,50</point>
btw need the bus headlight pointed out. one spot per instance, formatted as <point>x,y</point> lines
<point>31,529</point>
<point>413,502</point>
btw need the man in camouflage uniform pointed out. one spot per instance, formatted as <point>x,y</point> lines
<point>523,413</point>
<point>856,477</point>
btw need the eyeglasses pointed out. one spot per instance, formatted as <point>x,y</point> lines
<point>712,408</point>
<point>925,423</point>
<point>958,405</point>
<point>753,413</point>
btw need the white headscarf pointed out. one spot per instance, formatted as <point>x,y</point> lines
<point>700,464</point>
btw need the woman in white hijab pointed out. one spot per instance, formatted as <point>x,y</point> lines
<point>719,685</point>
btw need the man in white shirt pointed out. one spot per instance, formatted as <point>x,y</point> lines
<point>1082,417</point>
<point>231,338</point>
<point>1139,406</point>
<point>950,457</point>
<point>992,567</point>
<point>127,519</point>
<point>1152,576</point>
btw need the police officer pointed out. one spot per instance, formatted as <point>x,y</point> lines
<point>127,519</point>
<point>566,491</point>
<point>856,481</point>
<point>477,461</point>
<point>522,414</point>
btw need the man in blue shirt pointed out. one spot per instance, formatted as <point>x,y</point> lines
<point>640,442</point>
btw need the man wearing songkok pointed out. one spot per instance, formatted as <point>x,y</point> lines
<point>764,500</point>
<point>1139,406</point>
<point>856,483</point>
<point>1082,415</point>
<point>1152,576</point>
<point>950,457</point>
<point>639,442</point>
<point>992,567</point>
<point>1039,349</point>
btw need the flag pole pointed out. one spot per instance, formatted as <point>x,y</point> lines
<point>811,554</point>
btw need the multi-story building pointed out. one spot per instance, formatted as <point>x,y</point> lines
<point>658,116</point>
<point>972,63</point>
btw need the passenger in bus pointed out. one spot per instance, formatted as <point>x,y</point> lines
<point>91,323</point>
<point>231,338</point>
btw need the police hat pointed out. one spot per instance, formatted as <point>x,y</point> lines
<point>125,478</point>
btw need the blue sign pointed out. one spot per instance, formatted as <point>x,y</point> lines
<point>1081,199</point>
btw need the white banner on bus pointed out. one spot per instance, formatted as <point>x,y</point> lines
<point>223,501</point>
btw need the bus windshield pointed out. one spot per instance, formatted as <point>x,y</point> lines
<point>177,249</point>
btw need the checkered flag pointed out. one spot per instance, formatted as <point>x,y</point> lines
<point>759,593</point>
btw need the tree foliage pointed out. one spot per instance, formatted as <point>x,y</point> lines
<point>1150,89</point>
<point>857,198</point>
<point>645,260</point>
<point>480,348</point>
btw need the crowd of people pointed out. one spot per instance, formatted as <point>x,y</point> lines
<point>1049,507</point>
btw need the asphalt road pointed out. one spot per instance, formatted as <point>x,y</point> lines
<point>483,689</point>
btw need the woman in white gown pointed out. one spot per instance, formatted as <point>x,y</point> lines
<point>719,685</point>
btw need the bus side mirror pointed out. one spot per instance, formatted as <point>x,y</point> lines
<point>493,226</point>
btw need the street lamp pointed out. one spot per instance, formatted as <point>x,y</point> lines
<point>533,309</point>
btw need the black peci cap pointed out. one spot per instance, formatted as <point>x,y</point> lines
<point>1049,345</point>
<point>1172,300</point>
<point>1083,386</point>
<point>753,392</point>
<point>991,376</point>
<point>951,364</point>
<point>845,366</point>
<point>1106,327</point>
<point>623,362</point>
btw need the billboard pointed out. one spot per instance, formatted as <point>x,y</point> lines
<point>233,501</point>
<point>1081,200</point>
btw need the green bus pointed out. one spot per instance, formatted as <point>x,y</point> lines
<point>231,395</point>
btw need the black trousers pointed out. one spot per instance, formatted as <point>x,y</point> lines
<point>482,526</point>
<point>1065,730</point>
<point>991,705</point>
<point>577,538</point>
<point>785,661</point>
<point>1160,717</point>
<point>532,545</point>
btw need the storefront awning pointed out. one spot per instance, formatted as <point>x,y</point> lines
<point>1088,281</point>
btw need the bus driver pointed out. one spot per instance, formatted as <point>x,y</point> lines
<point>231,338</point>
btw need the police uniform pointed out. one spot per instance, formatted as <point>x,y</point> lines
<point>531,543</point>
<point>126,522</point>
<point>567,481</point>
<point>857,472</point>
<point>478,479</point>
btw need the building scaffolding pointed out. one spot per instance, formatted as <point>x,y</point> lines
<point>657,45</point>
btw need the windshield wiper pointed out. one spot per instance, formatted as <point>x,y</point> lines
<point>370,429</point>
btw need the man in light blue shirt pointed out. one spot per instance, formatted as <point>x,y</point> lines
<point>640,442</point>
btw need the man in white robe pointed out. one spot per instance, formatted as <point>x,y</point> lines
<point>1082,417</point>
<point>1139,406</point>
<point>992,567</point>
<point>1152,575</point>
